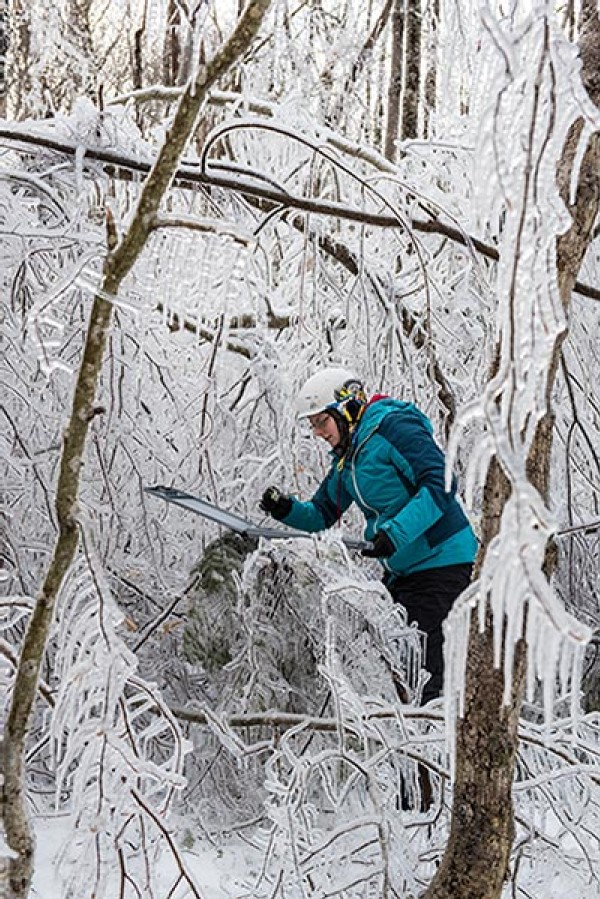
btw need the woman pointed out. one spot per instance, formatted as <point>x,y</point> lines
<point>385,459</point>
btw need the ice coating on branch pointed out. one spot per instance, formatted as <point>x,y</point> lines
<point>184,407</point>
<point>531,108</point>
<point>112,735</point>
<point>331,793</point>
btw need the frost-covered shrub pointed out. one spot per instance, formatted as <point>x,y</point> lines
<point>296,604</point>
<point>211,625</point>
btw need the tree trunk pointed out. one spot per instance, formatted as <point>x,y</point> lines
<point>412,68</point>
<point>171,47</point>
<point>118,263</point>
<point>433,22</point>
<point>476,860</point>
<point>395,85</point>
<point>80,32</point>
<point>19,83</point>
<point>4,44</point>
<point>19,835</point>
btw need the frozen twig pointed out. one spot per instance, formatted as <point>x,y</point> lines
<point>121,257</point>
<point>190,173</point>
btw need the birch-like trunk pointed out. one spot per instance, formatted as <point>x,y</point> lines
<point>475,864</point>
<point>120,259</point>
<point>4,45</point>
<point>395,84</point>
<point>412,71</point>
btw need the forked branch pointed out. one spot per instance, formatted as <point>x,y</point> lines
<point>119,261</point>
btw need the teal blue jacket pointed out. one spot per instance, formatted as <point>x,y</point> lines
<point>395,472</point>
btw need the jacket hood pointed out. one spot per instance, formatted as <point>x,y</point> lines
<point>377,408</point>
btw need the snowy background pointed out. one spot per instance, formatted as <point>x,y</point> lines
<point>219,718</point>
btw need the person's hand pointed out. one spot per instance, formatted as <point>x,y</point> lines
<point>381,548</point>
<point>275,503</point>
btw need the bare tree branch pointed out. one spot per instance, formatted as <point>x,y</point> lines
<point>119,261</point>
<point>287,720</point>
<point>189,174</point>
<point>482,827</point>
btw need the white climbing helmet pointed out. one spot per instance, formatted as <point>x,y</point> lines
<point>329,389</point>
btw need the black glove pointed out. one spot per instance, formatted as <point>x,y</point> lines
<point>382,547</point>
<point>275,503</point>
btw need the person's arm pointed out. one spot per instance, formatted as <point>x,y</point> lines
<point>321,511</point>
<point>324,508</point>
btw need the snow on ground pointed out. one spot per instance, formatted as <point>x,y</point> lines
<point>210,866</point>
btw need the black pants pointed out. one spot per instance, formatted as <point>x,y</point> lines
<point>427,597</point>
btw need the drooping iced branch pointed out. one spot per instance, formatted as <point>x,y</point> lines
<point>523,632</point>
<point>121,257</point>
<point>110,732</point>
<point>119,163</point>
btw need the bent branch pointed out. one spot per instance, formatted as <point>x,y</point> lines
<point>120,259</point>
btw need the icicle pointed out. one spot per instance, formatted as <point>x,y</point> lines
<point>521,143</point>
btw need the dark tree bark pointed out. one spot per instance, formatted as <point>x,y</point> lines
<point>476,861</point>
<point>19,83</point>
<point>120,259</point>
<point>412,68</point>
<point>433,22</point>
<point>172,50</point>
<point>4,45</point>
<point>395,83</point>
<point>83,78</point>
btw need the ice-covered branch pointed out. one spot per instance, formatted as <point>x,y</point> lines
<point>286,720</point>
<point>121,257</point>
<point>111,732</point>
<point>116,161</point>
<point>184,874</point>
<point>205,226</point>
<point>540,154</point>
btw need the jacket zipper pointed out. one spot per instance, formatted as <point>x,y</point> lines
<point>359,494</point>
<point>353,474</point>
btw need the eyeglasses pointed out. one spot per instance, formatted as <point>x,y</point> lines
<point>319,422</point>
